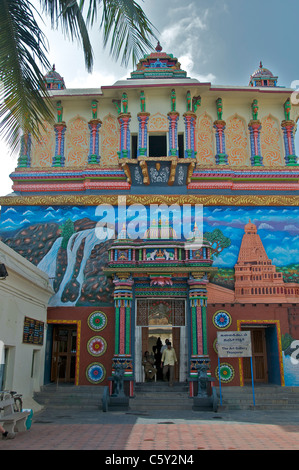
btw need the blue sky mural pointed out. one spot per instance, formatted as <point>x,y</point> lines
<point>277,227</point>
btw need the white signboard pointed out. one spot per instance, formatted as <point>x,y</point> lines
<point>234,343</point>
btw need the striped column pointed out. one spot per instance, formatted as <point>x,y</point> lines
<point>94,126</point>
<point>198,323</point>
<point>124,120</point>
<point>142,136</point>
<point>289,144</point>
<point>123,294</point>
<point>221,156</point>
<point>59,159</point>
<point>190,121</point>
<point>24,159</point>
<point>254,129</point>
<point>173,118</point>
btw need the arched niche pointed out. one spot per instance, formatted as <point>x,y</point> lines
<point>205,140</point>
<point>43,150</point>
<point>110,141</point>
<point>271,142</point>
<point>76,142</point>
<point>237,141</point>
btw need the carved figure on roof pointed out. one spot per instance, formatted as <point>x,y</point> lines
<point>188,101</point>
<point>142,102</point>
<point>94,109</point>
<point>219,109</point>
<point>117,104</point>
<point>173,100</point>
<point>59,110</point>
<point>287,109</point>
<point>124,101</point>
<point>196,102</point>
<point>255,109</point>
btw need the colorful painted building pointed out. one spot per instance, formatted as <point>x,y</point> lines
<point>163,208</point>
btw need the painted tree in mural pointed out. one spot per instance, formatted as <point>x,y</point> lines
<point>218,241</point>
<point>23,51</point>
<point>67,230</point>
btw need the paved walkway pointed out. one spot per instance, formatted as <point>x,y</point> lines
<point>159,431</point>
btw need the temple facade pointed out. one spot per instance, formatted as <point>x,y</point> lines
<point>162,208</point>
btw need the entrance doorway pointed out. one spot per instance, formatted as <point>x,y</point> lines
<point>63,367</point>
<point>156,321</point>
<point>259,357</point>
<point>153,339</point>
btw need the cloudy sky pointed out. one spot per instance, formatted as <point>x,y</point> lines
<point>221,41</point>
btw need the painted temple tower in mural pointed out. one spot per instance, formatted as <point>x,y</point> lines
<point>162,207</point>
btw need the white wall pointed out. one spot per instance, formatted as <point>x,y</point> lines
<point>24,293</point>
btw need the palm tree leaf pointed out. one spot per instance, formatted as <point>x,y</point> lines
<point>24,103</point>
<point>125,26</point>
<point>68,15</point>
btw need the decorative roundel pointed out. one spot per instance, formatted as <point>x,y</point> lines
<point>222,319</point>
<point>97,321</point>
<point>227,372</point>
<point>95,373</point>
<point>215,345</point>
<point>96,346</point>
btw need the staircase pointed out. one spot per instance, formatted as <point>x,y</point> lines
<point>70,396</point>
<point>155,396</point>
<point>267,397</point>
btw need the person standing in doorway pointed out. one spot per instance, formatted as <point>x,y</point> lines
<point>164,345</point>
<point>168,361</point>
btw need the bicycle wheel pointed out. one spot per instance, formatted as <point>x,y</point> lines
<point>18,404</point>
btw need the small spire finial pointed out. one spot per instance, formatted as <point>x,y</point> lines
<point>158,47</point>
<point>261,64</point>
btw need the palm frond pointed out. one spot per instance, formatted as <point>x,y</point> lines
<point>125,26</point>
<point>24,103</point>
<point>67,15</point>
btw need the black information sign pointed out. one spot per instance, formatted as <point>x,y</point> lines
<point>33,331</point>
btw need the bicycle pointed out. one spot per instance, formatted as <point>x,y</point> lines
<point>18,402</point>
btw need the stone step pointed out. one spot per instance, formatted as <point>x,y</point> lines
<point>266,397</point>
<point>70,396</point>
<point>150,396</point>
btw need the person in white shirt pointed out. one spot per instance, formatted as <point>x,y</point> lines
<point>164,345</point>
<point>168,361</point>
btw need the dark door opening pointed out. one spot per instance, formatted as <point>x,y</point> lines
<point>181,145</point>
<point>64,353</point>
<point>157,146</point>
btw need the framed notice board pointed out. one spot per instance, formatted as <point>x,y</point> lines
<point>33,332</point>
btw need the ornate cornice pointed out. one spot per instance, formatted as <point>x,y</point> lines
<point>206,200</point>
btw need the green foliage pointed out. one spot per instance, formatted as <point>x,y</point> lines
<point>67,230</point>
<point>24,99</point>
<point>218,241</point>
<point>286,341</point>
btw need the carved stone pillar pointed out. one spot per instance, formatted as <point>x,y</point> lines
<point>124,120</point>
<point>221,156</point>
<point>198,323</point>
<point>173,118</point>
<point>190,122</point>
<point>289,143</point>
<point>142,136</point>
<point>254,129</point>
<point>24,159</point>
<point>123,295</point>
<point>94,126</point>
<point>59,158</point>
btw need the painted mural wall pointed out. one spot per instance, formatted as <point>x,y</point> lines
<point>63,242</point>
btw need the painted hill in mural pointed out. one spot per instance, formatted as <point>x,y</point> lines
<point>72,256</point>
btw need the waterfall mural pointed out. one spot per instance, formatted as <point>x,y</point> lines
<point>64,242</point>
